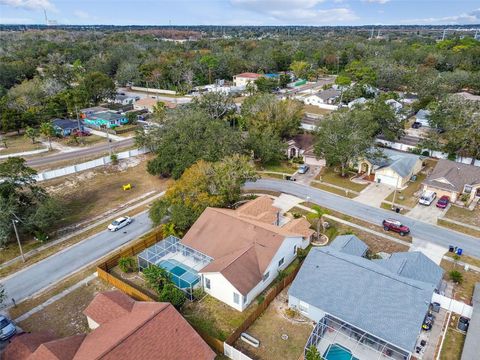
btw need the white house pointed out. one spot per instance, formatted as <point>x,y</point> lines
<point>326,97</point>
<point>244,79</point>
<point>123,99</point>
<point>247,247</point>
<point>359,101</point>
<point>395,105</point>
<point>423,117</point>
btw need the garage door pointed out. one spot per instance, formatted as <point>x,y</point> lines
<point>387,180</point>
<point>312,161</point>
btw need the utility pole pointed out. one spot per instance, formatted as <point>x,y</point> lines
<point>78,119</point>
<point>18,239</point>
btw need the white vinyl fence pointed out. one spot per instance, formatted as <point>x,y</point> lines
<point>455,306</point>
<point>72,169</point>
<point>152,90</point>
<point>234,354</point>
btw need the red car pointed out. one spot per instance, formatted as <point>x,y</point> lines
<point>81,133</point>
<point>443,202</point>
<point>395,225</point>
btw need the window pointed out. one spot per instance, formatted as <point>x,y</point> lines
<point>244,299</point>
<point>467,189</point>
<point>236,298</point>
<point>303,307</point>
<point>207,283</point>
<point>294,249</point>
<point>282,260</point>
<point>266,275</point>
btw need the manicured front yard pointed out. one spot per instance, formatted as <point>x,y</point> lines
<point>464,215</point>
<point>406,197</point>
<point>80,141</point>
<point>19,143</point>
<point>331,189</point>
<point>464,290</point>
<point>330,176</point>
<point>453,343</point>
<point>316,110</point>
<point>282,167</point>
<point>269,329</point>
<point>215,318</point>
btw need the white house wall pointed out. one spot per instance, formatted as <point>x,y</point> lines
<point>312,313</point>
<point>222,289</point>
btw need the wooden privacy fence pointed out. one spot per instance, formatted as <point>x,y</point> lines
<point>272,294</point>
<point>123,286</point>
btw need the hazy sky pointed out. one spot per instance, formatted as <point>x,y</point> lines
<point>241,12</point>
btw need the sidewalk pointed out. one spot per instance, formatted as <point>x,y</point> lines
<point>104,134</point>
<point>25,153</point>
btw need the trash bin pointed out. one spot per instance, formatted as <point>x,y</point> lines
<point>435,307</point>
<point>397,210</point>
<point>451,248</point>
<point>459,251</point>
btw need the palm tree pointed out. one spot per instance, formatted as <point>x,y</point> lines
<point>170,229</point>
<point>47,130</point>
<point>318,215</point>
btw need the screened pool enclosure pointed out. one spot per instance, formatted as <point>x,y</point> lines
<point>181,261</point>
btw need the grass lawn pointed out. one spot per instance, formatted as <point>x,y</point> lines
<point>91,193</point>
<point>214,317</point>
<point>464,215</point>
<point>328,175</point>
<point>406,197</point>
<point>18,143</point>
<point>270,327</point>
<point>81,140</point>
<point>466,259</point>
<point>65,316</point>
<point>316,110</point>
<point>272,176</point>
<point>282,167</point>
<point>464,290</point>
<point>386,206</point>
<point>333,190</point>
<point>453,344</point>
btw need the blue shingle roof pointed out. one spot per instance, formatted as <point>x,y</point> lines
<point>349,244</point>
<point>364,294</point>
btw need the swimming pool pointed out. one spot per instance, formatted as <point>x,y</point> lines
<point>183,276</point>
<point>338,352</point>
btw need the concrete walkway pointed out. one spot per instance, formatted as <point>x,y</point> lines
<point>104,134</point>
<point>24,153</point>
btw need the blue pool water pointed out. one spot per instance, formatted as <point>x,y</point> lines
<point>338,352</point>
<point>182,275</point>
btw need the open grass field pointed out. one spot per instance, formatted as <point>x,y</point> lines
<point>18,143</point>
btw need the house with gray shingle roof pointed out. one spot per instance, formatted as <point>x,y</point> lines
<point>391,167</point>
<point>349,244</point>
<point>454,179</point>
<point>366,309</point>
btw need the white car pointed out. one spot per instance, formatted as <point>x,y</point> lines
<point>120,223</point>
<point>427,198</point>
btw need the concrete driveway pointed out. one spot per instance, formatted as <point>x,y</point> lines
<point>433,251</point>
<point>428,214</point>
<point>308,176</point>
<point>374,194</point>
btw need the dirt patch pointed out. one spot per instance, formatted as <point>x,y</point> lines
<point>270,329</point>
<point>65,316</point>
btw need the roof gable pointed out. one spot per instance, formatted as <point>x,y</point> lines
<point>453,176</point>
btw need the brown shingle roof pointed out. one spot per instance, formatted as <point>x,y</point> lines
<point>61,349</point>
<point>24,345</point>
<point>248,75</point>
<point>453,176</point>
<point>242,248</point>
<point>109,305</point>
<point>299,226</point>
<point>260,209</point>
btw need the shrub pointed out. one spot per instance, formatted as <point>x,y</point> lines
<point>291,313</point>
<point>312,353</point>
<point>296,215</point>
<point>198,293</point>
<point>260,299</point>
<point>173,295</point>
<point>456,276</point>
<point>301,254</point>
<point>127,264</point>
<point>156,278</point>
<point>114,158</point>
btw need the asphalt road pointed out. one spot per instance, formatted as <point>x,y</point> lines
<point>29,281</point>
<point>99,149</point>
<point>419,229</point>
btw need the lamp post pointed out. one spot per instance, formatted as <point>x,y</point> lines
<point>18,238</point>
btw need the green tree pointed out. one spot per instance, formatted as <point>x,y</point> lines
<point>312,353</point>
<point>266,146</point>
<point>344,137</point>
<point>159,111</point>
<point>266,85</point>
<point>300,69</point>
<point>186,136</point>
<point>127,264</point>
<point>3,295</point>
<point>386,121</point>
<point>456,276</point>
<point>170,293</point>
<point>211,62</point>
<point>170,229</point>
<point>97,87</point>
<point>156,278</point>
<point>284,80</point>
<point>216,104</point>
<point>317,216</point>
<point>47,130</point>
<point>31,133</point>
<point>343,80</point>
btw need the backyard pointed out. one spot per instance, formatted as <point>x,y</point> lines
<point>270,329</point>
<point>454,340</point>
<point>464,290</point>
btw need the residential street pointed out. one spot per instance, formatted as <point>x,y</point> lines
<point>100,149</point>
<point>432,233</point>
<point>46,272</point>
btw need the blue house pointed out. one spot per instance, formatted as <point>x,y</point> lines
<point>65,127</point>
<point>109,119</point>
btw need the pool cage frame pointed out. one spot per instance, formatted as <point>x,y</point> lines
<point>168,249</point>
<point>329,323</point>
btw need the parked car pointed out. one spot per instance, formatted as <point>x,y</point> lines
<point>443,202</point>
<point>463,323</point>
<point>7,328</point>
<point>427,198</point>
<point>120,223</point>
<point>303,169</point>
<point>416,125</point>
<point>81,133</point>
<point>396,226</point>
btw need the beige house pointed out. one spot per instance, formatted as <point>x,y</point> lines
<point>149,103</point>
<point>244,79</point>
<point>302,146</point>
<point>454,180</point>
<point>394,168</point>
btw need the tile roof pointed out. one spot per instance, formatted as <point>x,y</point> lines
<point>349,244</point>
<point>363,294</point>
<point>453,176</point>
<point>413,265</point>
<point>109,305</point>
<point>149,331</point>
<point>401,162</point>
<point>242,247</point>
